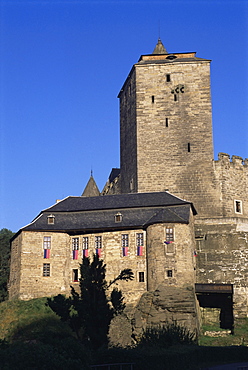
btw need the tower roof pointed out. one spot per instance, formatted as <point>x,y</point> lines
<point>159,48</point>
<point>91,189</point>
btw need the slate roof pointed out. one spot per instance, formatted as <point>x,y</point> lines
<point>139,210</point>
<point>116,201</point>
<point>91,189</point>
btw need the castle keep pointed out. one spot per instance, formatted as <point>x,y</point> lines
<point>171,213</point>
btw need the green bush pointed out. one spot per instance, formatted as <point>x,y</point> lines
<point>163,336</point>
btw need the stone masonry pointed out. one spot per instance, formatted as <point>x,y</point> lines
<point>166,150</point>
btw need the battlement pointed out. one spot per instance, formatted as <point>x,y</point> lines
<point>235,160</point>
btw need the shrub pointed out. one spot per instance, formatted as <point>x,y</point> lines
<point>167,335</point>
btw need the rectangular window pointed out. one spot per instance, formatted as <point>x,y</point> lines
<point>153,98</point>
<point>75,244</point>
<point>46,269</point>
<point>75,275</point>
<point>50,220</point>
<point>131,185</point>
<point>166,122</point>
<point>98,241</point>
<point>140,243</point>
<point>169,273</point>
<point>169,234</point>
<point>85,246</point>
<point>98,245</point>
<point>188,147</point>
<point>141,277</point>
<point>139,239</point>
<point>124,244</point>
<point>47,242</point>
<point>168,78</point>
<point>238,206</point>
<point>75,248</point>
<point>118,217</point>
<point>175,97</point>
<point>85,242</point>
<point>124,240</point>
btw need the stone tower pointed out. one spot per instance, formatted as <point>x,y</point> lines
<point>166,129</point>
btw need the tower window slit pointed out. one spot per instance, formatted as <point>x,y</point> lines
<point>188,147</point>
<point>168,78</point>
<point>175,97</point>
<point>166,122</point>
<point>153,98</point>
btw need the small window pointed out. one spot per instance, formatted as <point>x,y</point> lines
<point>118,217</point>
<point>140,243</point>
<point>166,122</point>
<point>238,206</point>
<point>124,240</point>
<point>175,97</point>
<point>85,246</point>
<point>169,273</point>
<point>188,147</point>
<point>85,242</point>
<point>141,277</point>
<point>169,235</point>
<point>131,185</point>
<point>153,98</point>
<point>75,244</point>
<point>75,275</point>
<point>98,245</point>
<point>75,248</point>
<point>46,269</point>
<point>98,242</point>
<point>168,78</point>
<point>50,219</point>
<point>47,242</point>
<point>139,239</point>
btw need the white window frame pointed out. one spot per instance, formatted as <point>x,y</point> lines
<point>236,202</point>
<point>47,242</point>
<point>75,244</point>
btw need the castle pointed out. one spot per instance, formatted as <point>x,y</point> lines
<point>171,213</point>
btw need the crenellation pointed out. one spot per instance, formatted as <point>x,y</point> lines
<point>237,161</point>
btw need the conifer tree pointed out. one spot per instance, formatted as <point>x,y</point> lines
<point>5,236</point>
<point>89,313</point>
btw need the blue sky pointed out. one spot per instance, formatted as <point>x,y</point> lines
<point>62,65</point>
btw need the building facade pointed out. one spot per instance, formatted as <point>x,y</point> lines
<point>145,217</point>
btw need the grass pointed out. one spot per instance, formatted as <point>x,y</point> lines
<point>32,336</point>
<point>239,338</point>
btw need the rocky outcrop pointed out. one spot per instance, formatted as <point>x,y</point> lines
<point>164,305</point>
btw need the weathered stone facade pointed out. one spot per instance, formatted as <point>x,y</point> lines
<point>165,115</point>
<point>150,233</point>
<point>166,148</point>
<point>166,130</point>
<point>31,283</point>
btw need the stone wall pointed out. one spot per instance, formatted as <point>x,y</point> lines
<point>15,267</point>
<point>26,275</point>
<point>170,264</point>
<point>169,132</point>
<point>222,257</point>
<point>232,177</point>
<point>128,135</point>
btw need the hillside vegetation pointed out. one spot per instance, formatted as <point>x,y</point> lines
<point>33,337</point>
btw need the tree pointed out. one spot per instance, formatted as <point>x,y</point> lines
<point>89,313</point>
<point>5,236</point>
